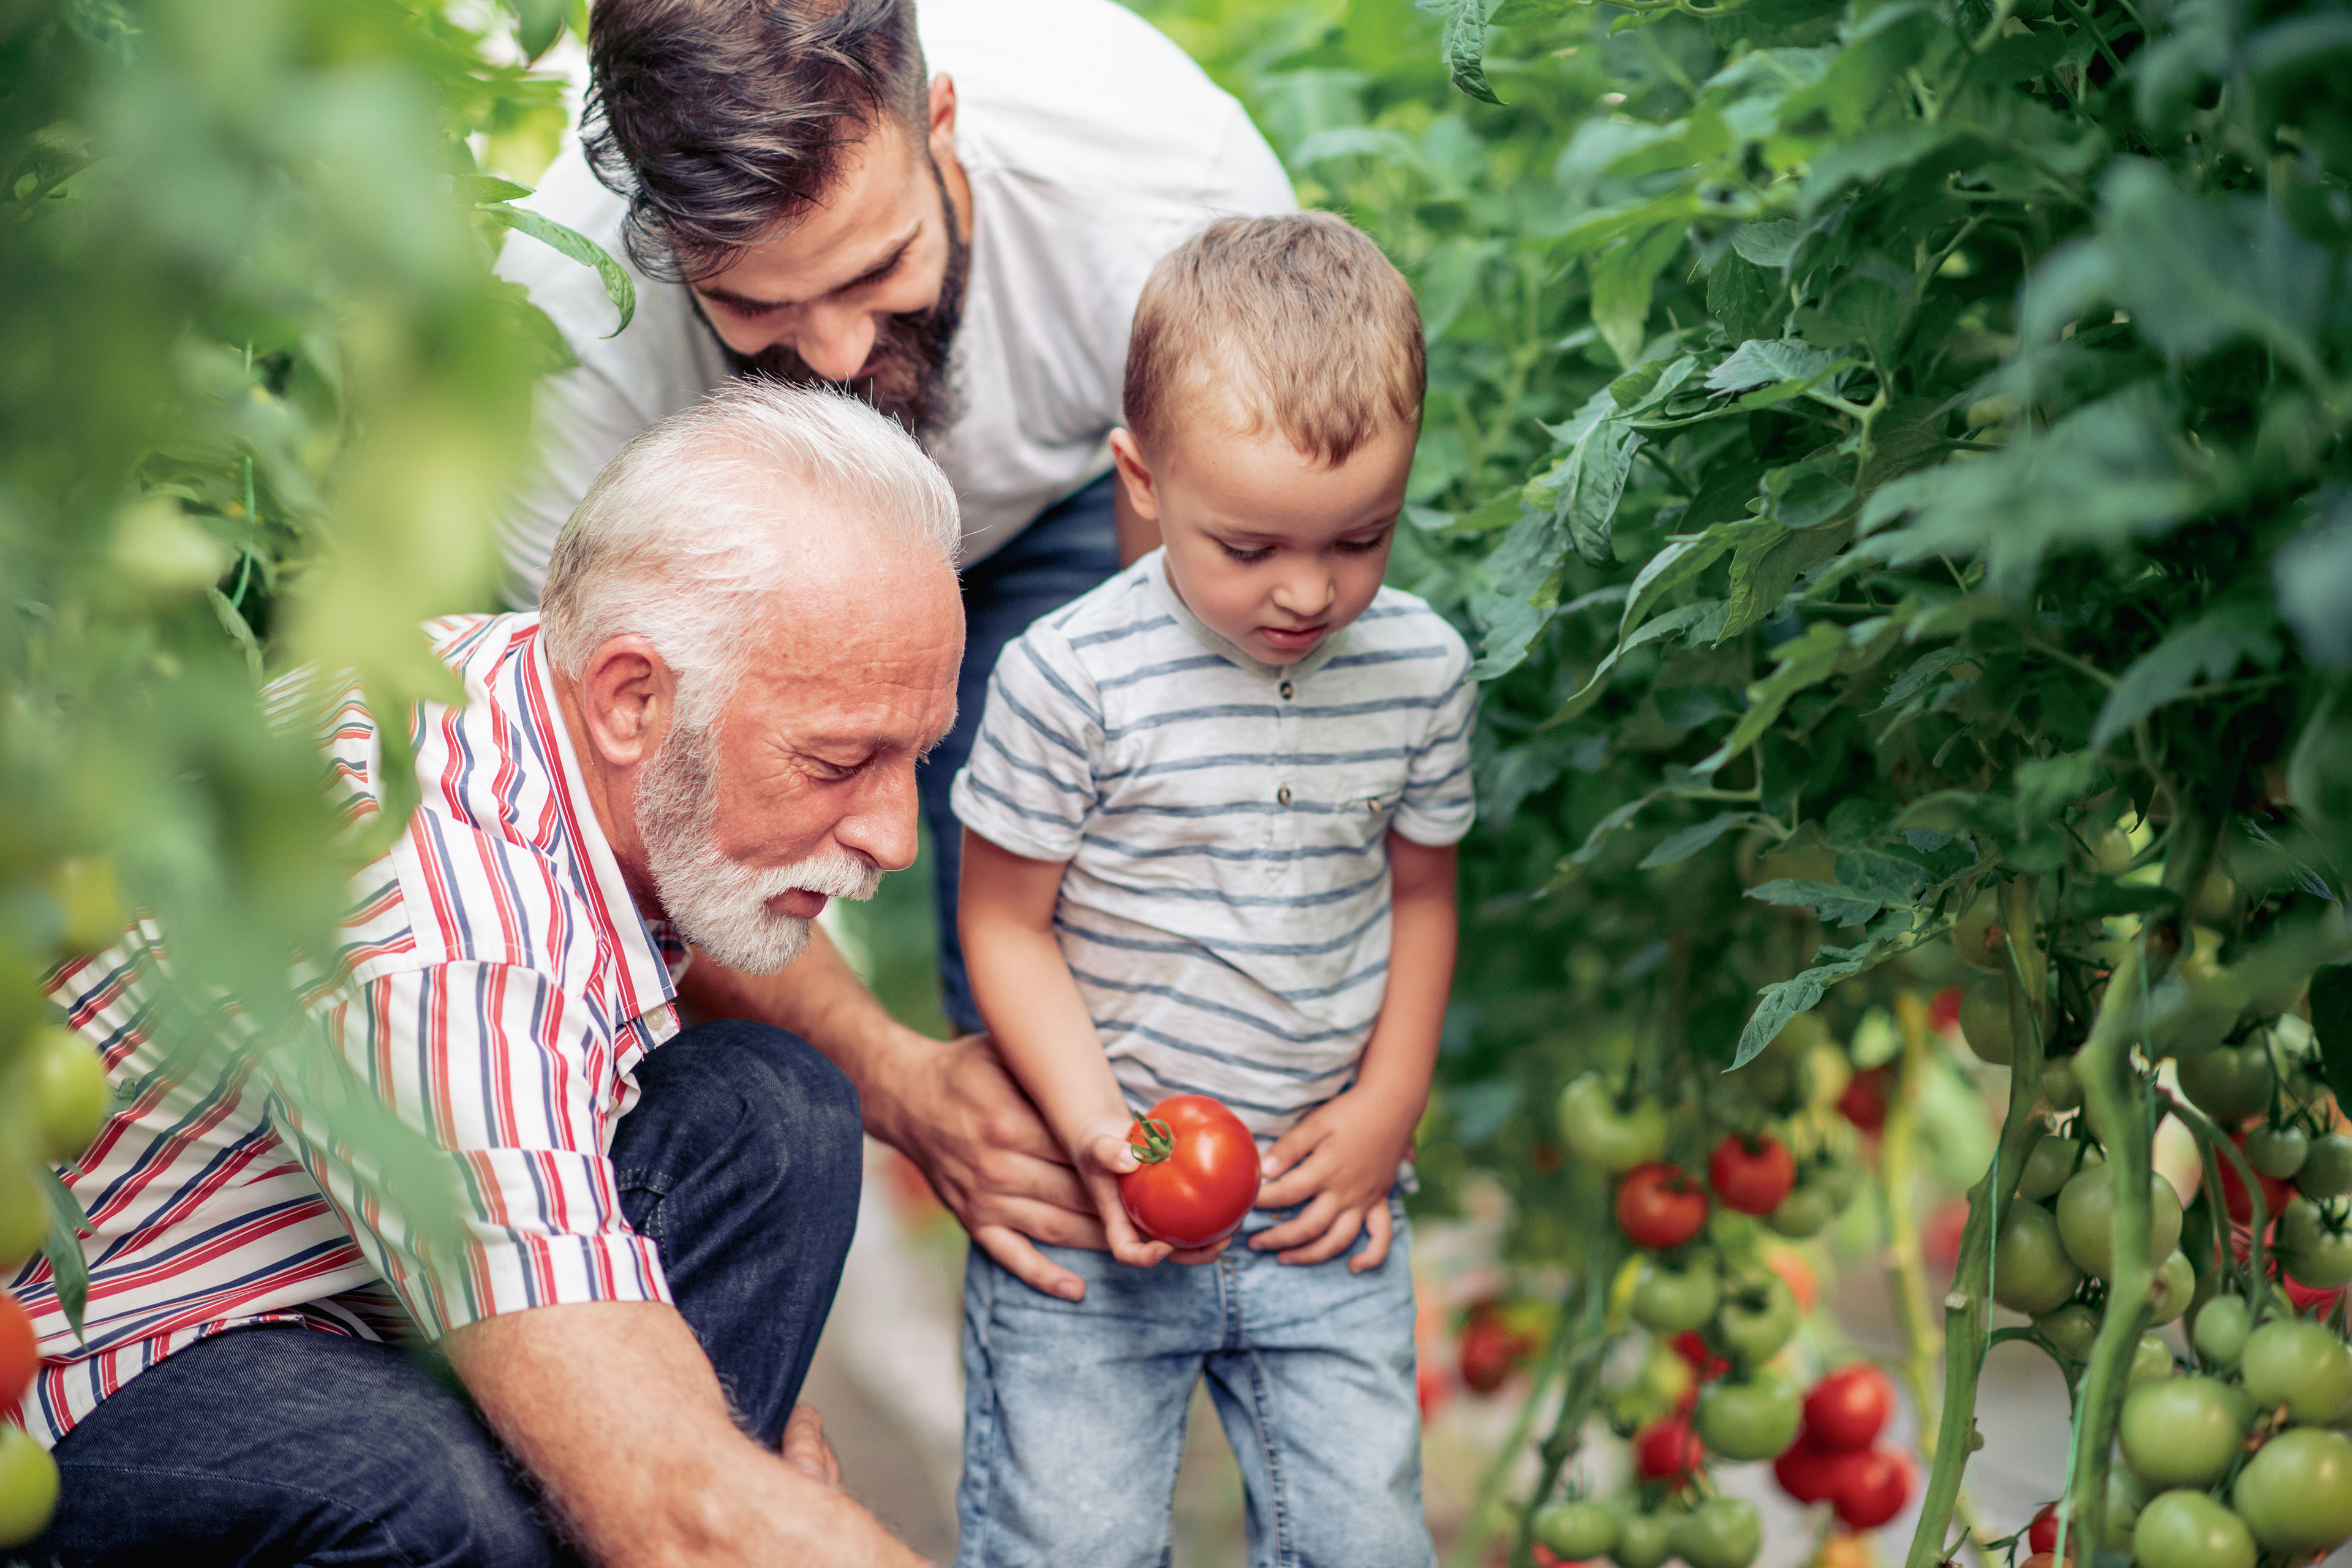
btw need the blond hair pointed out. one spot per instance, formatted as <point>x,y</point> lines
<point>1298,323</point>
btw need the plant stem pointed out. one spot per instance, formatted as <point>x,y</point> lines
<point>1967,1308</point>
<point>1897,1193</point>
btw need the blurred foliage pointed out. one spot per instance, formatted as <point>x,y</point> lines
<point>259,398</point>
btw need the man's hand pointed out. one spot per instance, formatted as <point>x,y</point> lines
<point>804,1448</point>
<point>949,1107</point>
<point>966,1125</point>
<point>615,1410</point>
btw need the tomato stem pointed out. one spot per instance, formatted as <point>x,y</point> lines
<point>1158,1140</point>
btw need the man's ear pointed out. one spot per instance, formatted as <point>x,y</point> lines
<point>628,699</point>
<point>1134,475</point>
<point>943,116</point>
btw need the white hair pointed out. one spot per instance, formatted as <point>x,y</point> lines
<point>684,535</point>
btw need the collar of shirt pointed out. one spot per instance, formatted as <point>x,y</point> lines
<point>646,979</point>
<point>1156,574</point>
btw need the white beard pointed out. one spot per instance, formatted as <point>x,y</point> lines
<point>719,904</point>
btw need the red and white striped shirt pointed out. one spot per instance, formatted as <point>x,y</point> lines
<point>496,988</point>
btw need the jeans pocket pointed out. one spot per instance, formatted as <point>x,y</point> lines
<point>642,1193</point>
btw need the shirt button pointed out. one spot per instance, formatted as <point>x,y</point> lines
<point>1282,796</point>
<point>1285,690</point>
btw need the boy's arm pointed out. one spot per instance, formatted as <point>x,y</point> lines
<point>1341,1158</point>
<point>1004,913</point>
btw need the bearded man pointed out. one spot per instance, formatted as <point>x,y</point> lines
<point>798,197</point>
<point>749,634</point>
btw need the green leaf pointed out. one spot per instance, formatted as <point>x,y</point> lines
<point>1762,361</point>
<point>1623,280</point>
<point>1837,905</point>
<point>477,190</point>
<point>1466,49</point>
<point>2312,576</point>
<point>1763,569</point>
<point>62,1247</point>
<point>1746,299</point>
<point>1913,680</point>
<point>1446,281</point>
<point>1689,841</point>
<point>2212,645</point>
<point>579,247</point>
<point>1776,1005</point>
<point>2331,1025</point>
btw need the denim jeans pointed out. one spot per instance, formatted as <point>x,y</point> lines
<point>1073,546</point>
<point>286,1445</point>
<point>1074,1411</point>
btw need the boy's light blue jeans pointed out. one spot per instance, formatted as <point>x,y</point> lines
<point>1074,1411</point>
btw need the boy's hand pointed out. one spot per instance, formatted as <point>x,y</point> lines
<point>1105,1155</point>
<point>1341,1161</point>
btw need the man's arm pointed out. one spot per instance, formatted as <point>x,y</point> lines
<point>948,1106</point>
<point>617,1411</point>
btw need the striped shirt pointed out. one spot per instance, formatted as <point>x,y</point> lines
<point>1226,909</point>
<point>494,987</point>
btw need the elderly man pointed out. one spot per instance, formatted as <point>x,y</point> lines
<point>749,636</point>
<point>800,196</point>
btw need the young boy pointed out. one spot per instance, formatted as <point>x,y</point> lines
<point>1208,848</point>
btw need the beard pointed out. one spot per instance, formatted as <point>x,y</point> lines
<point>906,373</point>
<point>714,902</point>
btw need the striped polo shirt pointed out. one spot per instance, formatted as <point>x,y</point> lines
<point>1225,907</point>
<point>494,986</point>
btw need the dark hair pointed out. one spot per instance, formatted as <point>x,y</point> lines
<point>719,118</point>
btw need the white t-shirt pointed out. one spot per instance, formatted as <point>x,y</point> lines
<point>1093,144</point>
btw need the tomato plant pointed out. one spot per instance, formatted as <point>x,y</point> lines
<point>1199,1173</point>
<point>1660,1206</point>
<point>1751,1174</point>
<point>1874,1490</point>
<point>28,1484</point>
<point>1849,1407</point>
<point>2295,1493</point>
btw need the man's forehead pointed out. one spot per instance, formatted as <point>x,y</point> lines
<point>875,199</point>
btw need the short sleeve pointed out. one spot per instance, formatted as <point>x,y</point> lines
<point>496,1067</point>
<point>1438,805</point>
<point>1030,784</point>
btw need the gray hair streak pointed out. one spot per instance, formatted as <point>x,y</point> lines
<point>684,534</point>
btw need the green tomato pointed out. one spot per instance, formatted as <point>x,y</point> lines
<point>2190,1530</point>
<point>2047,1167</point>
<point>1841,1179</point>
<point>1643,1541</point>
<point>1758,1317</point>
<point>1576,1531</point>
<point>70,1094</point>
<point>2060,1089</point>
<point>1721,1532</point>
<point>2277,1151</point>
<point>2086,1217</point>
<point>2315,1245</point>
<point>2295,1363</point>
<point>2126,1495</point>
<point>2326,1170</point>
<point>1754,1420</point>
<point>2295,1493</point>
<point>29,1486</point>
<point>2230,1083</point>
<point>24,1208</point>
<point>2221,1330</point>
<point>2071,1328</point>
<point>1984,1022</point>
<point>2182,1431</point>
<point>2175,1288</point>
<point>1604,1137</point>
<point>1806,1211</point>
<point>2151,1362</point>
<point>2031,1270</point>
<point>1669,1300</point>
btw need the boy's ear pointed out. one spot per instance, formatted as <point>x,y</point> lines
<point>1140,493</point>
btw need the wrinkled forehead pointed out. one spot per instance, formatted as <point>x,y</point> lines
<point>866,632</point>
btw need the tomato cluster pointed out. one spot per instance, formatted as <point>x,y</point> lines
<point>1837,1457</point>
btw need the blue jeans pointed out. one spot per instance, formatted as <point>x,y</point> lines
<point>1073,546</point>
<point>286,1445</point>
<point>1074,1411</point>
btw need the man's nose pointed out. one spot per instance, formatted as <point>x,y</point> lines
<point>833,342</point>
<point>881,823</point>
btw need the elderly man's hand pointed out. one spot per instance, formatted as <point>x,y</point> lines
<point>804,1447</point>
<point>963,1120</point>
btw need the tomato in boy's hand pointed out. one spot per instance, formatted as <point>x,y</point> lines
<point>1199,1172</point>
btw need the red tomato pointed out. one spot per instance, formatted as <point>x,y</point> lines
<point>2047,1559</point>
<point>1429,1389</point>
<point>2041,1537</point>
<point>20,1355</point>
<point>1874,1490</point>
<point>1847,1409</point>
<point>1704,1361</point>
<point>1944,1011</point>
<point>1810,1473</point>
<point>1751,1174</point>
<point>1660,1206</point>
<point>1863,1104</point>
<point>1796,1274</point>
<point>1489,1349</point>
<point>1666,1449</point>
<point>1198,1176</point>
<point>2276,1193</point>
